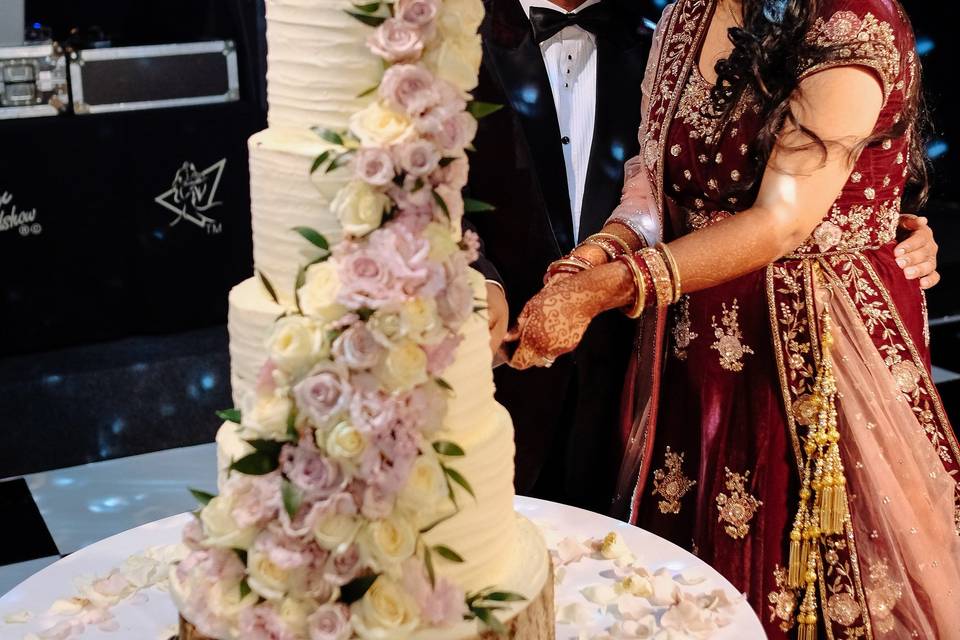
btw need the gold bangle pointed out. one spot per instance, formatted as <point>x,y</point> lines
<point>608,247</point>
<point>640,302</point>
<point>662,282</point>
<point>673,269</point>
<point>620,242</point>
<point>641,241</point>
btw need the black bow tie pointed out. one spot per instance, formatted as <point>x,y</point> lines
<point>548,23</point>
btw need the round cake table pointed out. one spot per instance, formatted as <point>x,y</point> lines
<point>150,615</point>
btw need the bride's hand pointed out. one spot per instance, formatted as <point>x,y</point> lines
<point>590,253</point>
<point>553,322</point>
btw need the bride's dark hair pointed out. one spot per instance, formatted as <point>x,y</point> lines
<point>769,51</point>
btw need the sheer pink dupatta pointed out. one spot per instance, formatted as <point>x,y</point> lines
<point>639,210</point>
<point>901,498</point>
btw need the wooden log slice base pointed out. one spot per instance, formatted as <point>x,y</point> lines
<point>536,622</point>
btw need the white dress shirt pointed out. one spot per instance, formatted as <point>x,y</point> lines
<point>570,58</point>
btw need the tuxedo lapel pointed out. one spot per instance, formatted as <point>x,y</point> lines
<point>620,67</point>
<point>514,57</point>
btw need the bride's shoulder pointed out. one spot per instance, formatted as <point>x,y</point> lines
<point>889,12</point>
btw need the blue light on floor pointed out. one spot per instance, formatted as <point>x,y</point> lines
<point>925,45</point>
<point>53,379</point>
<point>618,151</point>
<point>937,148</point>
<point>63,481</point>
<point>118,426</point>
<point>159,234</point>
<point>208,381</point>
<point>110,504</point>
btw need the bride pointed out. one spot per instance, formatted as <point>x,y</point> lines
<point>779,418</point>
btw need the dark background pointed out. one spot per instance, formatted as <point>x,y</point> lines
<point>112,337</point>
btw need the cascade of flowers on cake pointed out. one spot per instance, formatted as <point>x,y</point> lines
<point>318,533</point>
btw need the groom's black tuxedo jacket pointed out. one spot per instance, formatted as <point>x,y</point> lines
<point>566,416</point>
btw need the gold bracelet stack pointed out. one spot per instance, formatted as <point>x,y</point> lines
<point>640,282</point>
<point>673,269</point>
<point>613,246</point>
<point>570,264</point>
<point>662,280</point>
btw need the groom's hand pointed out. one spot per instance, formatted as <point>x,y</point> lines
<point>917,254</point>
<point>498,313</point>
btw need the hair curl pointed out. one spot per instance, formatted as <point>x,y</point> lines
<point>770,50</point>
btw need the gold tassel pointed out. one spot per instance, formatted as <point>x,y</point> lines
<point>807,617</point>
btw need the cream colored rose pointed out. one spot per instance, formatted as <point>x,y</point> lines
<point>425,493</point>
<point>386,326</point>
<point>385,611</point>
<point>420,321</point>
<point>318,295</point>
<point>265,577</point>
<point>377,126</point>
<point>223,600</point>
<point>460,17</point>
<point>297,343</point>
<point>344,442</point>
<point>442,244</point>
<point>387,543</point>
<point>266,416</point>
<point>404,367</point>
<point>456,60</point>
<point>221,529</point>
<point>294,614</point>
<point>336,530</point>
<point>360,208</point>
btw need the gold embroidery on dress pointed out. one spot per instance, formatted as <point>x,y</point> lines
<point>737,509</point>
<point>783,601</point>
<point>696,110</point>
<point>729,339</point>
<point>867,41</point>
<point>683,335</point>
<point>672,484</point>
<point>882,596</point>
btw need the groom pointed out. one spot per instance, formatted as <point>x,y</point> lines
<point>551,161</point>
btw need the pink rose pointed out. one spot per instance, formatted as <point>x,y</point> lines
<point>440,604</point>
<point>357,348</point>
<point>288,552</point>
<point>428,404</point>
<point>420,13</point>
<point>396,41</point>
<point>317,476</point>
<point>455,303</point>
<point>366,281</point>
<point>324,395</point>
<point>450,103</point>
<point>263,622</point>
<point>377,502</point>
<point>206,569</point>
<point>407,257</point>
<point>455,175</point>
<point>193,535</point>
<point>266,384</point>
<point>453,198</point>
<point>343,566</point>
<point>256,499</point>
<point>330,622</point>
<point>374,166</point>
<point>418,158</point>
<point>471,243</point>
<point>372,410</point>
<point>440,355</point>
<point>213,564</point>
<point>409,88</point>
<point>456,132</point>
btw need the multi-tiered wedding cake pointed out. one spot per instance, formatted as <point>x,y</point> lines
<point>366,479</point>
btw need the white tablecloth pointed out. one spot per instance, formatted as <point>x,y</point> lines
<point>151,616</point>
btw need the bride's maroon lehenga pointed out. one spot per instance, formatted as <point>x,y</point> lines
<point>719,399</point>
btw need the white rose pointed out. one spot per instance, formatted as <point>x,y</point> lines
<point>336,531</point>
<point>345,442</point>
<point>385,611</point>
<point>294,614</point>
<point>404,368</point>
<point>266,578</point>
<point>267,416</point>
<point>297,343</point>
<point>220,527</point>
<point>387,543</point>
<point>318,295</point>
<point>377,126</point>
<point>223,600</point>
<point>425,492</point>
<point>442,244</point>
<point>420,320</point>
<point>460,17</point>
<point>360,208</point>
<point>385,325</point>
<point>456,60</point>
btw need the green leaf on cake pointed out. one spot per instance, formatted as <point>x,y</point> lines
<point>447,553</point>
<point>242,555</point>
<point>356,588</point>
<point>314,237</point>
<point>504,596</point>
<point>367,8</point>
<point>330,136</point>
<point>264,459</point>
<point>440,203</point>
<point>323,157</point>
<point>337,162</point>
<point>372,21</point>
<point>229,415</point>
<point>428,561</point>
<point>486,617</point>
<point>367,92</point>
<point>476,206</point>
<point>202,497</point>
<point>292,498</point>
<point>301,279</point>
<point>483,109</point>
<point>244,589</point>
<point>443,384</point>
<point>292,434</point>
<point>446,448</point>
<point>269,287</point>
<point>444,162</point>
<point>457,477</point>
<point>430,527</point>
